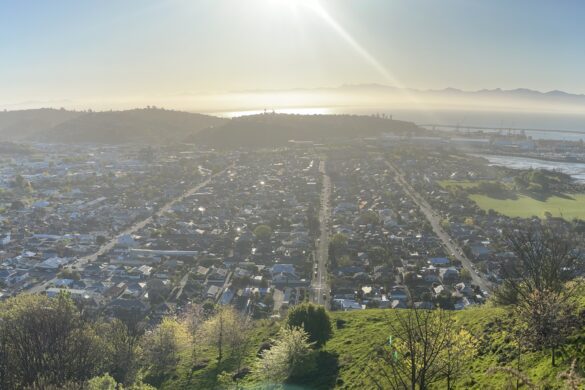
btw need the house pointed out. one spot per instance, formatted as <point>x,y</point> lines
<point>217,276</point>
<point>398,304</point>
<point>425,305</point>
<point>283,269</point>
<point>398,293</point>
<point>480,251</point>
<point>464,289</point>
<point>213,292</point>
<point>53,263</point>
<point>430,274</point>
<point>439,261</point>
<point>75,294</point>
<point>449,275</point>
<point>439,289</point>
<point>201,272</point>
<point>347,304</point>
<point>64,282</point>
<point>127,305</point>
<point>284,275</point>
<point>5,239</point>
<point>115,290</point>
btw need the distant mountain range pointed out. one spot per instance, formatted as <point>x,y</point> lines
<point>447,98</point>
<point>518,92</point>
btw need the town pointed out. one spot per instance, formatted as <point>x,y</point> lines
<point>351,226</point>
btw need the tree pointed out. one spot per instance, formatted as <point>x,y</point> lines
<point>223,331</point>
<point>459,350</point>
<point>124,351</point>
<point>69,274</point>
<point>157,291</point>
<point>369,217</point>
<point>337,247</point>
<point>163,345</point>
<point>239,343</point>
<point>290,357</point>
<point>465,275</point>
<point>263,232</point>
<point>545,261</point>
<point>546,320</point>
<point>47,340</point>
<point>541,285</point>
<point>377,255</point>
<point>313,319</point>
<point>412,358</point>
<point>410,278</point>
<point>104,382</point>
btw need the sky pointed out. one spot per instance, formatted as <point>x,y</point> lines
<point>114,53</point>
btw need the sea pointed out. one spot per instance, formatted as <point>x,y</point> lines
<point>576,170</point>
<point>573,123</point>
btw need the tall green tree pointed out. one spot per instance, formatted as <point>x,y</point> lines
<point>163,345</point>
<point>263,232</point>
<point>313,319</point>
<point>47,340</point>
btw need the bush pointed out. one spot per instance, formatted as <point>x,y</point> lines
<point>290,357</point>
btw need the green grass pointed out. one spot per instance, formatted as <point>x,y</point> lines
<point>341,362</point>
<point>525,207</point>
<point>458,183</point>
<point>569,207</point>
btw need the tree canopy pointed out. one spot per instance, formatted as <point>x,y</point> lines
<point>313,319</point>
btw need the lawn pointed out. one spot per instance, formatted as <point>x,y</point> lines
<point>525,207</point>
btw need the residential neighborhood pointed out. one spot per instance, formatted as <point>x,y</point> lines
<point>154,231</point>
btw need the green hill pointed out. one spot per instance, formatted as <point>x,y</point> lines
<point>342,362</point>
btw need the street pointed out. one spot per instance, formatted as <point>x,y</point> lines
<point>435,220</point>
<point>319,282</point>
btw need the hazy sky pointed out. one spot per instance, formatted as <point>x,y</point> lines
<point>115,50</point>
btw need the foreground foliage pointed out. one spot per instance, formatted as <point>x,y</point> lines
<point>52,344</point>
<point>291,356</point>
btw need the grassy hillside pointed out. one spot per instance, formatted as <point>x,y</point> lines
<point>341,362</point>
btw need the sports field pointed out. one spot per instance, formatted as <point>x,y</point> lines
<point>526,207</point>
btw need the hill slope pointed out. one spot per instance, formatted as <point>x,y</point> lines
<point>154,126</point>
<point>23,124</point>
<point>357,334</point>
<point>277,129</point>
<point>132,126</point>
